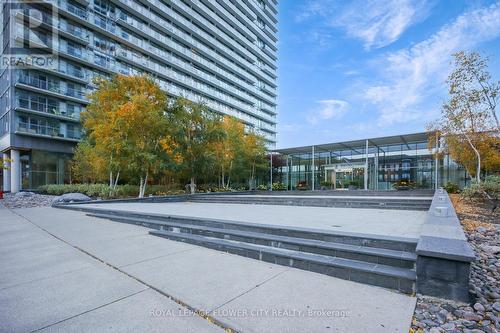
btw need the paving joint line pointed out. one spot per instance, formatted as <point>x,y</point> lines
<point>249,290</point>
<point>46,277</point>
<point>158,257</point>
<point>200,313</point>
<point>90,310</point>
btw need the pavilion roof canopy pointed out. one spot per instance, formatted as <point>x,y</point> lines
<point>357,144</point>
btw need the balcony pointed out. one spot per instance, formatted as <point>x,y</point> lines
<point>46,130</point>
<point>79,12</point>
<point>46,109</point>
<point>77,34</point>
<point>53,87</point>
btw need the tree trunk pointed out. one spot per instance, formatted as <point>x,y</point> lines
<point>192,186</point>
<point>229,173</point>
<point>223,178</point>
<point>140,188</point>
<point>144,185</point>
<point>116,181</point>
<point>478,171</point>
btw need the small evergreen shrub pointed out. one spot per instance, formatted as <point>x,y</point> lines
<point>279,187</point>
<point>451,187</point>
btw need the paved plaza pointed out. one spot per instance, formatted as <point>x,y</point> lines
<point>399,223</point>
<point>62,271</point>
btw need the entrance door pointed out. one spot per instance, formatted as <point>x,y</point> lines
<point>344,175</point>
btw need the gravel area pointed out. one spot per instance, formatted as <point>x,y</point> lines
<point>483,313</point>
<point>26,200</point>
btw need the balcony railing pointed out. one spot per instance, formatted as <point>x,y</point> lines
<point>41,84</point>
<point>82,13</point>
<point>51,86</point>
<point>48,130</point>
<point>73,134</point>
<point>39,129</point>
<point>32,105</point>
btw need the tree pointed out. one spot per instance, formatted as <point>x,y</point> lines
<point>126,123</point>
<point>87,166</point>
<point>192,142</point>
<point>229,150</point>
<point>472,80</point>
<point>255,155</point>
<point>468,120</point>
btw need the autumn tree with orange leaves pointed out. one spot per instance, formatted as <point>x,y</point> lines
<point>125,124</point>
<point>132,131</point>
<point>468,123</point>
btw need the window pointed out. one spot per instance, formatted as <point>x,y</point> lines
<point>104,7</point>
<point>260,23</point>
<point>261,43</point>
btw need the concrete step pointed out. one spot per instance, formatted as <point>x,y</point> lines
<point>156,221</point>
<point>401,279</point>
<point>332,201</point>
<point>356,252</point>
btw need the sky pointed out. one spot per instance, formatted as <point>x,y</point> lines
<point>361,69</point>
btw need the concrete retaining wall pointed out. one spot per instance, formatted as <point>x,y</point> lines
<point>443,253</point>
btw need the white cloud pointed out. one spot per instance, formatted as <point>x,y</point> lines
<point>375,23</point>
<point>329,108</point>
<point>379,23</point>
<point>413,75</point>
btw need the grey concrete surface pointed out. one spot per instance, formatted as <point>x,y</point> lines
<point>46,283</point>
<point>387,222</point>
<point>146,311</point>
<point>310,302</point>
<point>99,298</point>
<point>204,278</point>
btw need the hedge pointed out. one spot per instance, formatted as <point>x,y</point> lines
<point>102,190</point>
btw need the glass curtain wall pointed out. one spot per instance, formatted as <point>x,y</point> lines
<point>383,167</point>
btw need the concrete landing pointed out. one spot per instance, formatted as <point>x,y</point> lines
<point>386,222</point>
<point>56,284</point>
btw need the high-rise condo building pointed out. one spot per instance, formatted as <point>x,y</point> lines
<point>220,52</point>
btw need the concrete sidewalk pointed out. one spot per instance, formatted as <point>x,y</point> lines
<point>63,271</point>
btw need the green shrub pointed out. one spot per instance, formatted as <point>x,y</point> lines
<point>279,187</point>
<point>262,187</point>
<point>326,184</point>
<point>489,187</point>
<point>451,187</point>
<point>102,190</point>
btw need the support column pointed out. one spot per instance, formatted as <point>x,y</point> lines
<point>288,171</point>
<point>366,165</point>
<point>271,172</point>
<point>312,169</point>
<point>15,171</point>
<point>6,172</point>
<point>436,164</point>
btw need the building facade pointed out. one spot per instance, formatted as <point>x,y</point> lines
<point>376,164</point>
<point>220,52</point>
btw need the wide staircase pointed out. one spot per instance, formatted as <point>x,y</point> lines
<point>382,261</point>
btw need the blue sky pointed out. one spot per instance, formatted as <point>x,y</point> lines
<point>368,68</point>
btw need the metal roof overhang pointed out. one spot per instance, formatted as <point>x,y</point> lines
<point>357,144</point>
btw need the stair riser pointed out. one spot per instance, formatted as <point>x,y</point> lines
<point>400,284</point>
<point>373,258</point>
<point>377,243</point>
<point>420,205</point>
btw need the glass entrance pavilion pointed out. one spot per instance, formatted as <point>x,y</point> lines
<point>375,164</point>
